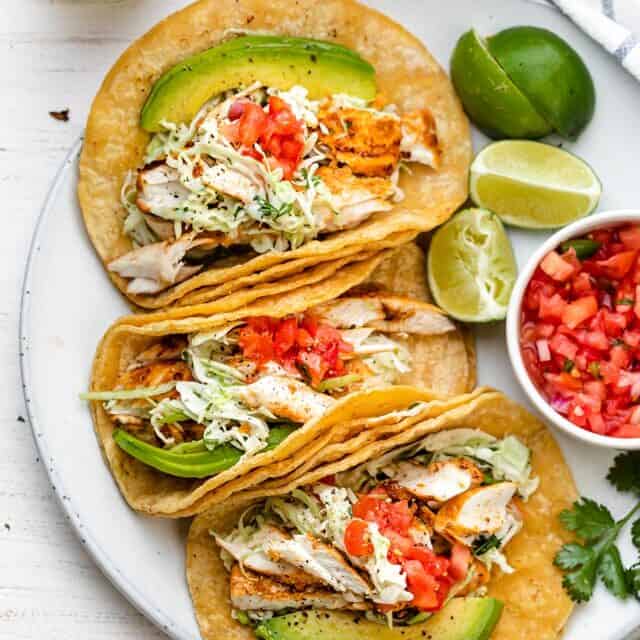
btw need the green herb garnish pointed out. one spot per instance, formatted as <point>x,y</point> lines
<point>568,365</point>
<point>597,555</point>
<point>584,247</point>
<point>484,543</point>
<point>625,301</point>
<point>271,211</point>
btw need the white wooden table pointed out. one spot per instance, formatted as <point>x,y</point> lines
<point>53,55</point>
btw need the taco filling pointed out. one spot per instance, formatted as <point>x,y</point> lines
<point>194,405</point>
<point>395,538</point>
<point>263,169</point>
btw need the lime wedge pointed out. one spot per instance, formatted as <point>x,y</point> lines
<point>471,266</point>
<point>491,100</point>
<point>533,185</point>
<point>550,73</point>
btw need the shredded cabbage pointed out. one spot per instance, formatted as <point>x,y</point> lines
<point>230,192</point>
<point>507,458</point>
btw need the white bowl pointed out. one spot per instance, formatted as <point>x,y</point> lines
<point>577,229</point>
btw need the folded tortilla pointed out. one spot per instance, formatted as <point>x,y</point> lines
<point>535,604</point>
<point>407,75</point>
<point>443,364</point>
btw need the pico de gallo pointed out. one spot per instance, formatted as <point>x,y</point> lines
<point>580,330</point>
<point>395,538</point>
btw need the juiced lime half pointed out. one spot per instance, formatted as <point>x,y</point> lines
<point>471,267</point>
<point>533,185</point>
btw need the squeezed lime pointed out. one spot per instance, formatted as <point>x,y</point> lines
<point>471,267</point>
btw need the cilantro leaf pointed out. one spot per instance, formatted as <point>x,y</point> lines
<point>572,555</point>
<point>635,533</point>
<point>624,474</point>
<point>598,556</point>
<point>580,582</point>
<point>588,519</point>
<point>484,544</point>
<point>633,580</point>
<point>612,572</point>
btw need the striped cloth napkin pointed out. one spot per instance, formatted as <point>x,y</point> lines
<point>615,24</point>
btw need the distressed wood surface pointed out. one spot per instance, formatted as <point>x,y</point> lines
<point>53,55</point>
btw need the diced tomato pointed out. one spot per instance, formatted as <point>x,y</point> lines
<point>423,586</point>
<point>582,285</point>
<point>614,323</point>
<point>278,131</point>
<point>563,346</point>
<point>400,548</point>
<point>556,267</point>
<point>596,389</point>
<point>285,336</point>
<point>357,540</point>
<point>579,311</point>
<point>305,345</point>
<point>627,431</point>
<point>367,507</point>
<point>597,424</point>
<point>460,561</point>
<point>595,340</point>
<point>620,356</point>
<point>618,265</point>
<point>564,381</point>
<point>630,237</point>
<point>552,308</point>
<point>632,338</point>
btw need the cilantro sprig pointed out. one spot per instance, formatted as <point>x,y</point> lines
<point>596,555</point>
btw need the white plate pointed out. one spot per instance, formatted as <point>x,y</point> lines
<point>68,302</point>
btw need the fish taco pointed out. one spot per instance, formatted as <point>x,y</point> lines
<point>187,408</point>
<point>447,530</point>
<point>212,153</point>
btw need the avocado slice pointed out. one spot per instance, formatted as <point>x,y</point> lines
<point>323,68</point>
<point>461,619</point>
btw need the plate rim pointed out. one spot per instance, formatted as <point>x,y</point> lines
<point>103,560</point>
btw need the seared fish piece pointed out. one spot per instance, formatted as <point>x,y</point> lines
<point>159,188</point>
<point>254,558</point>
<point>320,560</point>
<point>157,266</point>
<point>169,348</point>
<point>254,592</point>
<point>479,511</point>
<point>154,374</point>
<point>388,314</point>
<point>352,200</point>
<point>285,398</point>
<point>366,141</point>
<point>419,139</point>
<point>437,482</point>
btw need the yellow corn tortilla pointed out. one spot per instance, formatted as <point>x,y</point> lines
<point>536,606</point>
<point>407,75</point>
<point>149,491</point>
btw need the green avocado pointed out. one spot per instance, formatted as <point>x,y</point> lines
<point>323,68</point>
<point>461,619</point>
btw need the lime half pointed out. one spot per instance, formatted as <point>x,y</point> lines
<point>489,97</point>
<point>533,185</point>
<point>550,73</point>
<point>471,266</point>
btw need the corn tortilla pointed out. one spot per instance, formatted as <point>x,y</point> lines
<point>536,606</point>
<point>158,494</point>
<point>407,75</point>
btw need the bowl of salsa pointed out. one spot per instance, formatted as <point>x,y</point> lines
<point>573,329</point>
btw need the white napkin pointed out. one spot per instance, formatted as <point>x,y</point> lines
<point>613,23</point>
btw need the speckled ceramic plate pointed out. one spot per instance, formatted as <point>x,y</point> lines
<point>68,302</point>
